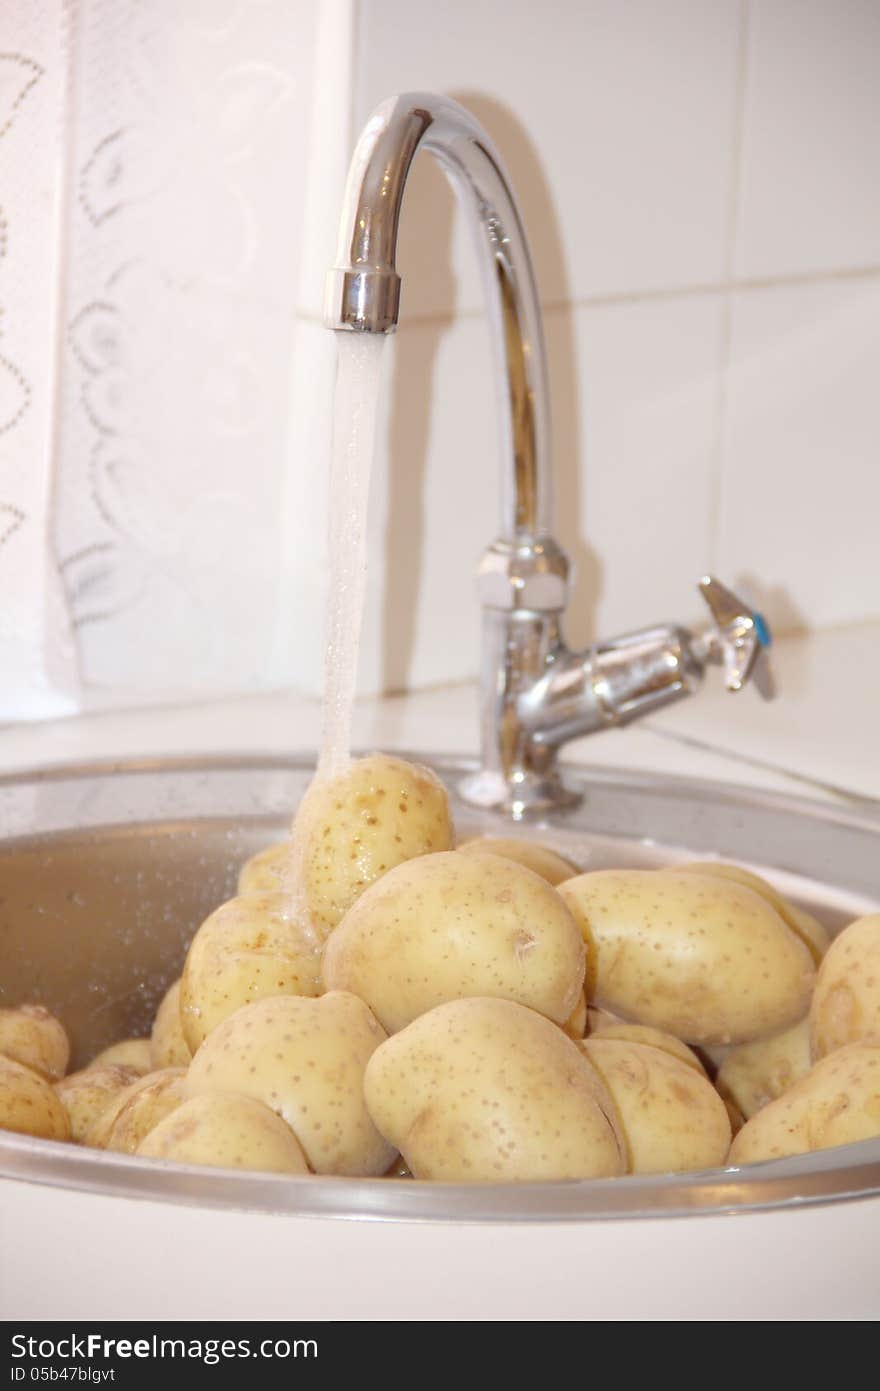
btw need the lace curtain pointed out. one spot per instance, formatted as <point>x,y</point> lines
<point>170,172</point>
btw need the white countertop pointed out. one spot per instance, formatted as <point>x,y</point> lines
<point>819,737</point>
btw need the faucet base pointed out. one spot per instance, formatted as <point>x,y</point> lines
<point>525,795</point>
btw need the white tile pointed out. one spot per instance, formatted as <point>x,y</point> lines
<point>634,390</point>
<point>801,493</point>
<point>616,122</point>
<point>810,194</point>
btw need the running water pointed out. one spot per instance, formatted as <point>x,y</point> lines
<point>354,428</point>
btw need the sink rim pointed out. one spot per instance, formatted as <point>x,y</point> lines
<point>847,1173</point>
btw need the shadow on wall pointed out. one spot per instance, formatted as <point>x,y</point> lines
<point>425,251</point>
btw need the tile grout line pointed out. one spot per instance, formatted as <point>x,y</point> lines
<point>734,285</point>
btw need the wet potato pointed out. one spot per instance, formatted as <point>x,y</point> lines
<point>28,1104</point>
<point>352,829</point>
<point>754,1074</point>
<point>450,925</point>
<point>226,1132</point>
<point>29,1034</point>
<point>249,948</point>
<point>540,859</point>
<point>168,1047</point>
<point>129,1052</point>
<point>654,1038</point>
<point>701,957</point>
<point>133,1113</point>
<point>305,1059</point>
<point>846,1001</point>
<point>811,932</point>
<point>86,1095</point>
<point>487,1091</point>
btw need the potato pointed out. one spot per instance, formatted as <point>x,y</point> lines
<point>755,1074</point>
<point>226,1132</point>
<point>352,829</point>
<point>168,1047</point>
<point>653,1038</point>
<point>28,1104</point>
<point>846,1002</point>
<point>29,1034</point>
<point>134,1112</point>
<point>487,1091</point>
<point>264,872</point>
<point>131,1052</point>
<point>699,956</point>
<point>576,1023</point>
<point>837,1103</point>
<point>86,1095</point>
<point>450,925</point>
<point>669,1116</point>
<point>305,1059</point>
<point>538,858</point>
<point>250,947</point>
<point>809,929</point>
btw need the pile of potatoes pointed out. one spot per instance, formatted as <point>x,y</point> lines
<point>381,1002</point>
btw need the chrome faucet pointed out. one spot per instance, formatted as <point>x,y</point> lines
<point>536,693</point>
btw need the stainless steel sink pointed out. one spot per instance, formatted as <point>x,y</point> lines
<point>107,870</point>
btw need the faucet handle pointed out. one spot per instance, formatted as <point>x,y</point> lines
<point>739,638</point>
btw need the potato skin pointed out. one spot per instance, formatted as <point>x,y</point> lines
<point>134,1112</point>
<point>837,1103</point>
<point>226,1132</point>
<point>264,872</point>
<point>653,1038</point>
<point>487,1091</point>
<point>576,1023</point>
<point>168,1047</point>
<point>540,859</point>
<point>698,956</point>
<point>846,1002</point>
<point>86,1095</point>
<point>812,933</point>
<point>130,1052</point>
<point>670,1116</point>
<point>754,1074</point>
<point>352,829</point>
<point>451,925</point>
<point>28,1104</point>
<point>249,948</point>
<point>304,1058</point>
<point>30,1035</point>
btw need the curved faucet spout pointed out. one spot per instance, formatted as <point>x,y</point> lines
<point>363,291</point>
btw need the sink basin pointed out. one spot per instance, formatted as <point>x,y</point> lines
<point>107,870</point>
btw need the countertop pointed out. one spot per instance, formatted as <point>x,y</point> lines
<point>818,737</point>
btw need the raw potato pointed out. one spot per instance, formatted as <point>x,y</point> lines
<point>754,1074</point>
<point>226,1132</point>
<point>809,929</point>
<point>29,1034</point>
<point>487,1091</point>
<point>86,1095</point>
<point>699,956</point>
<point>837,1103</point>
<point>131,1052</point>
<point>576,1023</point>
<point>264,872</point>
<point>305,1059</point>
<point>669,1116</point>
<point>538,858</point>
<point>128,1120</point>
<point>248,949</point>
<point>450,925</point>
<point>28,1104</point>
<point>168,1047</point>
<point>846,1002</point>
<point>654,1038</point>
<point>352,829</point>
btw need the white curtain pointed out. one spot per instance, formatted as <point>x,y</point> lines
<point>170,172</point>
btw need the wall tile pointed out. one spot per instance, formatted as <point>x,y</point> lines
<point>801,496</point>
<point>616,123</point>
<point>810,194</point>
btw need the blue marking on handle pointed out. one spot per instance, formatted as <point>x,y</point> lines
<point>762,629</point>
